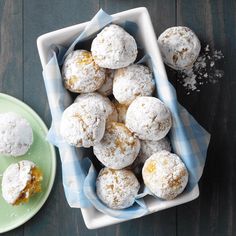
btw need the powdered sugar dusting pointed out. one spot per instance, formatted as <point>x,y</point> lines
<point>165,175</point>
<point>117,188</point>
<point>204,71</point>
<point>15,179</point>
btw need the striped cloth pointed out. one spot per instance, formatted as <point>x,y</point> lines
<point>189,140</point>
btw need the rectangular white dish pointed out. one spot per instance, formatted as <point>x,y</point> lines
<point>93,218</point>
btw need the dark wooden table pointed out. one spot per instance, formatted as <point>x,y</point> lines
<point>214,21</point>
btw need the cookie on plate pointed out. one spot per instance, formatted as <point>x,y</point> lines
<point>82,125</point>
<point>16,135</point>
<point>117,188</point>
<point>118,147</point>
<point>148,118</point>
<point>132,81</point>
<point>165,175</point>
<point>114,48</point>
<point>179,47</point>
<point>81,74</point>
<point>20,181</point>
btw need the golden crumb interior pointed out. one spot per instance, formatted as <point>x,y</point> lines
<point>33,186</point>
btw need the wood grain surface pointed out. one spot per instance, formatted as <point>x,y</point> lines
<point>214,21</point>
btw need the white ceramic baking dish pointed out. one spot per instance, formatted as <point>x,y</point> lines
<point>92,217</point>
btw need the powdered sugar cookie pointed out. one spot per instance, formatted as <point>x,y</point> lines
<point>82,125</point>
<point>165,175</point>
<point>148,118</point>
<point>20,181</point>
<point>117,188</point>
<point>118,147</point>
<point>114,48</point>
<point>179,47</point>
<point>106,88</point>
<point>16,135</point>
<point>81,74</point>
<point>131,82</point>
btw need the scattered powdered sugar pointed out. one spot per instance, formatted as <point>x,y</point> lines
<point>204,71</point>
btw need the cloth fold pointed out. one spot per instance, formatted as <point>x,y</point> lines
<point>188,139</point>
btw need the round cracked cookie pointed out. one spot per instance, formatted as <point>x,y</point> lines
<point>179,47</point>
<point>148,118</point>
<point>82,126</point>
<point>16,135</point>
<point>118,147</point>
<point>20,181</point>
<point>131,82</point>
<point>165,175</point>
<point>117,188</point>
<point>81,74</point>
<point>114,48</point>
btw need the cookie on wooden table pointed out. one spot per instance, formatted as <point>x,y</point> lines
<point>179,47</point>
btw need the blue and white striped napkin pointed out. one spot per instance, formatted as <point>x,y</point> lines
<point>189,140</point>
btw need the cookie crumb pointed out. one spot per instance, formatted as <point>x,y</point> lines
<point>203,71</point>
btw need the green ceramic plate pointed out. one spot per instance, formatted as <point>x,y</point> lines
<point>41,153</point>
